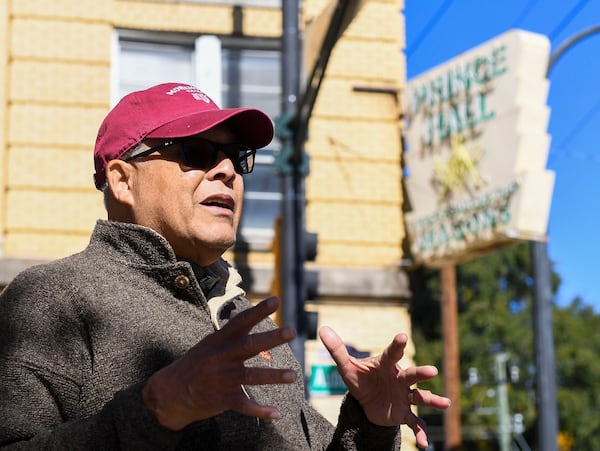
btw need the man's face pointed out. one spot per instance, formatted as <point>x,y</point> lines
<point>196,210</point>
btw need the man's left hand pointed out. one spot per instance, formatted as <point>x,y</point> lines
<point>382,387</point>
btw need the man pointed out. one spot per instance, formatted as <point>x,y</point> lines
<point>144,340</point>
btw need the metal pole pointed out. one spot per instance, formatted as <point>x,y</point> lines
<point>542,310</point>
<point>570,42</point>
<point>296,110</point>
<point>292,188</point>
<point>545,375</point>
<point>502,397</point>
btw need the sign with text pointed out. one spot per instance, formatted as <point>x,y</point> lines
<point>326,380</point>
<point>476,150</point>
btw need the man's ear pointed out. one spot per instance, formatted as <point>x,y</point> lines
<point>119,177</point>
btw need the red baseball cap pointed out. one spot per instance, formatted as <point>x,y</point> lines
<point>171,110</point>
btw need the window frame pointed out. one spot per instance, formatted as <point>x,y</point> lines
<point>271,4</point>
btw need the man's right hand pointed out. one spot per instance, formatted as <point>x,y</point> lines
<point>208,379</point>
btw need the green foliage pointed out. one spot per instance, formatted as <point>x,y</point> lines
<point>495,295</point>
<point>577,347</point>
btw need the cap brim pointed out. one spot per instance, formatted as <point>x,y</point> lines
<point>250,126</point>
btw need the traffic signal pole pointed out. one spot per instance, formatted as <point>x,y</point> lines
<point>292,161</point>
<point>292,186</point>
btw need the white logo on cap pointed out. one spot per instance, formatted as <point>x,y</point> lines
<point>195,92</point>
<point>201,96</point>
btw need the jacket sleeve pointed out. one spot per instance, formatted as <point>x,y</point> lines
<point>43,362</point>
<point>354,432</point>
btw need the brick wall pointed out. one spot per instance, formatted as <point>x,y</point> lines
<point>57,79</point>
<point>354,190</point>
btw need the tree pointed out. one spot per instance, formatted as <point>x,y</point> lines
<point>495,301</point>
<point>578,373</point>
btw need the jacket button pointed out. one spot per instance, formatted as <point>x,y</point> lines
<point>182,282</point>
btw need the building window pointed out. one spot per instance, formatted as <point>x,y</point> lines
<point>247,75</point>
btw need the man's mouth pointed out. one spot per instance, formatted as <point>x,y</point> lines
<point>219,201</point>
<point>217,204</point>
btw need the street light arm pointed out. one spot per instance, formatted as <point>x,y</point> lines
<point>570,42</point>
<point>542,308</point>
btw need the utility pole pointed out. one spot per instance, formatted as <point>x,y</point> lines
<point>502,397</point>
<point>451,361</point>
<point>542,311</point>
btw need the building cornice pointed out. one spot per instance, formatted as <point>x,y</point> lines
<point>333,282</point>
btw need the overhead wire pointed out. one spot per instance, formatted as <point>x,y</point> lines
<point>573,155</point>
<point>568,18</point>
<point>437,15</point>
<point>524,13</point>
<point>586,118</point>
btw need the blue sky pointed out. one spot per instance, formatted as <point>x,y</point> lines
<point>438,30</point>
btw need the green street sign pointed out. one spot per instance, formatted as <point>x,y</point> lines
<point>325,380</point>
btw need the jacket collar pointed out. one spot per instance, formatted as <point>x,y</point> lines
<point>140,246</point>
<point>132,244</point>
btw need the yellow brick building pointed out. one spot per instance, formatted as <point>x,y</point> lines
<point>63,63</point>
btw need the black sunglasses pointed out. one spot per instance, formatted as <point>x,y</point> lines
<point>200,153</point>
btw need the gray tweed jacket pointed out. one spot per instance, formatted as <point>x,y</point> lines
<point>81,335</point>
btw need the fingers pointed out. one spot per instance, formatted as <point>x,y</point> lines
<point>243,322</point>
<point>395,350</point>
<point>334,344</point>
<point>264,376</point>
<point>382,387</point>
<point>209,378</point>
<point>418,427</point>
<point>250,345</point>
<point>251,408</point>
<point>235,342</point>
<point>426,398</point>
<point>416,374</point>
